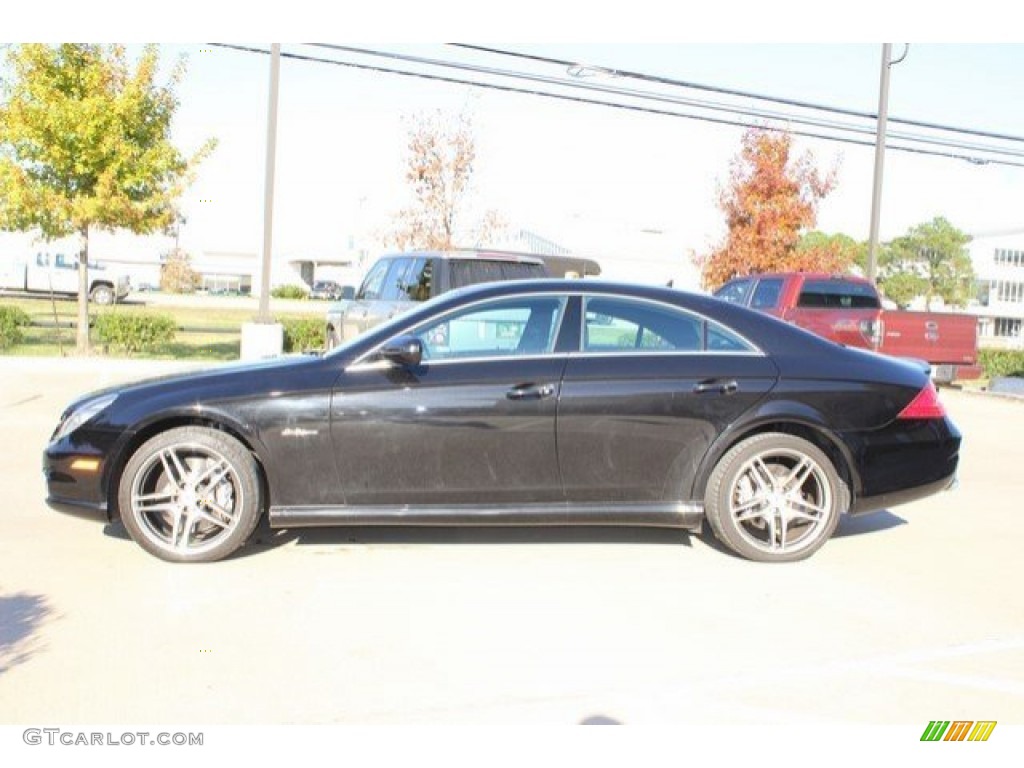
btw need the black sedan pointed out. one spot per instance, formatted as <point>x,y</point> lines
<point>545,402</point>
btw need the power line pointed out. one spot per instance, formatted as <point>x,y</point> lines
<point>618,105</point>
<point>731,92</point>
<point>649,96</point>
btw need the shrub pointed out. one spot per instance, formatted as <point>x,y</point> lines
<point>303,333</point>
<point>1001,362</point>
<point>12,320</point>
<point>289,292</point>
<point>135,331</point>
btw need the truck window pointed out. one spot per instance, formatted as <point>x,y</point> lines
<point>391,290</point>
<point>371,287</point>
<point>470,272</point>
<point>735,291</point>
<point>766,294</point>
<point>418,280</point>
<point>838,294</point>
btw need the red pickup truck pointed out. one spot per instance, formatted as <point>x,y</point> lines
<point>848,310</point>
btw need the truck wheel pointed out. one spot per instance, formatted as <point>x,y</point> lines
<point>775,498</point>
<point>102,295</point>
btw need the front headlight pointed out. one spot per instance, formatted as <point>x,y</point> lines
<point>82,414</point>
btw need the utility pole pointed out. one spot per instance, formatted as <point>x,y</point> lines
<point>264,337</point>
<point>876,195</point>
<point>268,198</point>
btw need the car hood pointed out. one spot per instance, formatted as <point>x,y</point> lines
<point>200,379</point>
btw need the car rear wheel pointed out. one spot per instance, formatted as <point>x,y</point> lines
<point>775,497</point>
<point>190,494</point>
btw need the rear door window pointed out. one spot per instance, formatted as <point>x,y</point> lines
<point>766,294</point>
<point>838,294</point>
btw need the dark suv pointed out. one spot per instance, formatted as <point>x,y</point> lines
<point>397,281</point>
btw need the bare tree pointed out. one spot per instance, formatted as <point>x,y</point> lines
<point>440,159</point>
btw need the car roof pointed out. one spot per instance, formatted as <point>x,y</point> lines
<point>483,255</point>
<point>805,275</point>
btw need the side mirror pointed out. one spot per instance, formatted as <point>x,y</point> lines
<point>406,351</point>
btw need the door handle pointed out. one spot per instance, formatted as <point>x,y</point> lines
<point>716,385</point>
<point>531,392</point>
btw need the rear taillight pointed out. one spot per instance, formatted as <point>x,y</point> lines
<point>925,405</point>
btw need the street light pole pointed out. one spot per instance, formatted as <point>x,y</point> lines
<point>876,195</point>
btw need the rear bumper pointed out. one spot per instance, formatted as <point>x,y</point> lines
<point>904,462</point>
<point>886,500</point>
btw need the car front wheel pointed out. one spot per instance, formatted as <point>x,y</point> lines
<point>102,295</point>
<point>190,494</point>
<point>775,497</point>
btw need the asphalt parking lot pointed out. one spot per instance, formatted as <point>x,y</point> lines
<point>904,617</point>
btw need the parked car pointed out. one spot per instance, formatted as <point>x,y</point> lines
<point>58,273</point>
<point>397,282</point>
<point>848,310</point>
<point>325,290</point>
<point>549,402</point>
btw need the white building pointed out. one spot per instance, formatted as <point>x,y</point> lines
<point>999,267</point>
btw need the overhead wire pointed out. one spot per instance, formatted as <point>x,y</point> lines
<point>733,92</point>
<point>665,98</point>
<point>789,120</point>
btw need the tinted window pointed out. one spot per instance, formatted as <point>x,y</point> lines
<point>371,287</point>
<point>721,339</point>
<point>473,271</point>
<point>838,293</point>
<point>521,326</point>
<point>766,294</point>
<point>623,325</point>
<point>735,292</point>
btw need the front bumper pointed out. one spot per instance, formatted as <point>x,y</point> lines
<point>77,471</point>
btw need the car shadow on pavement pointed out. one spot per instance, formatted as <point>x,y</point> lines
<point>854,525</point>
<point>265,537</point>
<point>21,615</point>
<point>849,525</point>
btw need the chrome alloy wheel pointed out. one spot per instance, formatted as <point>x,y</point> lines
<point>781,501</point>
<point>186,498</point>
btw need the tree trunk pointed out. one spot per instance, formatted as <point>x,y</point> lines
<point>83,292</point>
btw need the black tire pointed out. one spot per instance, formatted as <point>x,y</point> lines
<point>102,295</point>
<point>190,495</point>
<point>775,497</point>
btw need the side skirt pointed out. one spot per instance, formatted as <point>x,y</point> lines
<point>675,515</point>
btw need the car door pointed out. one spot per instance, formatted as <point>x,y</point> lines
<point>650,389</point>
<point>473,423</point>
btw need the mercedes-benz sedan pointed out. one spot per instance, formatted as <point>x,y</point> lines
<point>547,402</point>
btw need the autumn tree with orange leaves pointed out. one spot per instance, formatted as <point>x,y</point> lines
<point>771,200</point>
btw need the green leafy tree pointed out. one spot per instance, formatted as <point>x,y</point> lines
<point>85,143</point>
<point>840,251</point>
<point>930,260</point>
